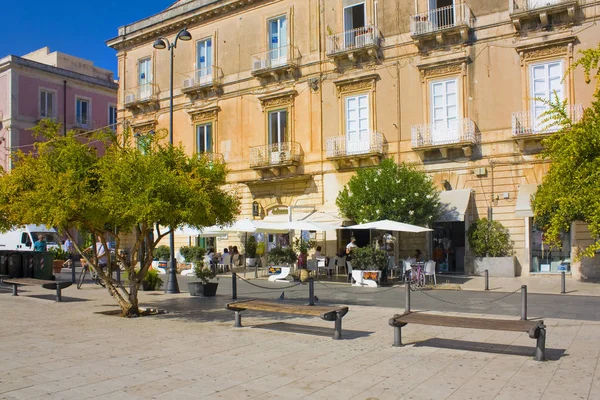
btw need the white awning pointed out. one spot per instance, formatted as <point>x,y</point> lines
<point>523,206</point>
<point>454,205</point>
<point>296,216</point>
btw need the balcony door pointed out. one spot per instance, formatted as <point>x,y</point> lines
<point>277,135</point>
<point>144,78</point>
<point>278,46</point>
<point>357,124</point>
<point>204,61</point>
<point>444,112</point>
<point>82,110</point>
<point>204,139</point>
<point>355,17</point>
<point>442,13</point>
<point>546,83</point>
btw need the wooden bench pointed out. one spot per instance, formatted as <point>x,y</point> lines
<point>58,285</point>
<point>535,329</point>
<point>328,313</point>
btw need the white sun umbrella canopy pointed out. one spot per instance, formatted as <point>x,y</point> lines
<point>388,225</point>
<point>247,225</point>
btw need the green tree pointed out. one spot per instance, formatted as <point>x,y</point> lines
<point>126,192</point>
<point>489,239</point>
<point>570,190</point>
<point>390,191</point>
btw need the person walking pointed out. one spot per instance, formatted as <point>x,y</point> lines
<point>40,244</point>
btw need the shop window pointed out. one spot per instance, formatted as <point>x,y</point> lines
<point>546,259</point>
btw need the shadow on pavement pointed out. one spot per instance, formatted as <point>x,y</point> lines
<point>498,348</point>
<point>64,299</point>
<point>310,330</point>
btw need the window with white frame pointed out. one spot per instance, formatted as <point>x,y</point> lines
<point>278,41</point>
<point>444,112</point>
<point>277,127</point>
<point>204,61</point>
<point>82,112</point>
<point>145,78</point>
<point>546,85</point>
<point>112,117</point>
<point>357,124</point>
<point>47,104</point>
<point>204,138</point>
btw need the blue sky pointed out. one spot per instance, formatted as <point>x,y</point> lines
<point>79,28</point>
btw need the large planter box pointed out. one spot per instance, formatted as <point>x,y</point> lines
<point>497,266</point>
<point>198,289</point>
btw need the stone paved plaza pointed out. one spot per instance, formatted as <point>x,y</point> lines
<point>74,350</point>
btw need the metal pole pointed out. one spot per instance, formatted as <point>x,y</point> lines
<point>563,284</point>
<point>524,302</point>
<point>311,292</point>
<point>487,280</point>
<point>233,285</point>
<point>407,298</point>
<point>172,285</point>
<point>118,273</point>
<point>72,270</point>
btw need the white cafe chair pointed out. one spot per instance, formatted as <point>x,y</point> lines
<point>430,270</point>
<point>225,262</point>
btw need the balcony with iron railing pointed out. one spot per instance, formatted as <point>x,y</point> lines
<point>353,42</point>
<point>201,79</point>
<point>526,126</point>
<point>520,10</point>
<point>141,95</point>
<point>276,61</point>
<point>443,136</point>
<point>346,152</point>
<point>456,18</point>
<point>85,124</point>
<point>211,157</point>
<point>276,157</point>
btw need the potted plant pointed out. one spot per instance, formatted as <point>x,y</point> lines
<point>492,249</point>
<point>59,257</point>
<point>204,287</point>
<point>367,263</point>
<point>281,256</point>
<point>251,251</point>
<point>303,246</point>
<point>151,281</point>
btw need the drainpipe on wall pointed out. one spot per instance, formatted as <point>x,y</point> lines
<point>65,108</point>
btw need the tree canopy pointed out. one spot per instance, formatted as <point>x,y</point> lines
<point>571,190</point>
<point>390,191</point>
<point>65,184</point>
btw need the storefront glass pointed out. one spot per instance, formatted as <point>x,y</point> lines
<point>546,259</point>
<point>449,246</point>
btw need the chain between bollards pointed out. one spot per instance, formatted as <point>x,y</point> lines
<point>311,292</point>
<point>233,285</point>
<point>407,297</point>
<point>487,280</point>
<point>563,284</point>
<point>524,302</point>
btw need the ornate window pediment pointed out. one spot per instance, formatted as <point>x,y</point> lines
<point>204,113</point>
<point>356,84</point>
<point>453,66</point>
<point>143,126</point>
<point>280,99</point>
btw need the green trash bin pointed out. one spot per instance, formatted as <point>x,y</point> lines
<point>41,264</point>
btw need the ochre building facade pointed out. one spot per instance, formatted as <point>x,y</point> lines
<point>296,95</point>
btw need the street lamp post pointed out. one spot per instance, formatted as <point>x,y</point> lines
<point>163,43</point>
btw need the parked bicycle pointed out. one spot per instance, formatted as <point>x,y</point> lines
<point>417,275</point>
<point>84,271</point>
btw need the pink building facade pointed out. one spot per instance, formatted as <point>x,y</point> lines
<point>54,85</point>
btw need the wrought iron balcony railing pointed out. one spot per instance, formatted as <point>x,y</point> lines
<point>521,6</point>
<point>211,157</point>
<point>525,123</point>
<point>84,123</point>
<point>202,77</point>
<point>285,56</point>
<point>142,93</point>
<point>276,154</point>
<point>366,36</point>
<point>443,134</point>
<point>440,19</point>
<point>343,146</point>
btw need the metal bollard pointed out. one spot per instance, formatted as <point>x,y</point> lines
<point>233,285</point>
<point>311,292</point>
<point>524,302</point>
<point>487,280</point>
<point>407,298</point>
<point>73,272</point>
<point>563,284</point>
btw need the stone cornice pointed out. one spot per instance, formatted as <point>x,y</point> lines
<point>173,19</point>
<point>361,82</point>
<point>204,113</point>
<point>278,99</point>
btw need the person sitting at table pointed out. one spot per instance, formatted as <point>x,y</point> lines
<point>318,252</point>
<point>419,256</point>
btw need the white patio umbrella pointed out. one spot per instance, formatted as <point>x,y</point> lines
<point>388,225</point>
<point>296,225</point>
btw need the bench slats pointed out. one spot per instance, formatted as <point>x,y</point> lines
<point>263,305</point>
<point>467,322</point>
<point>27,281</point>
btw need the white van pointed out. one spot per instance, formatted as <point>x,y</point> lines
<point>23,237</point>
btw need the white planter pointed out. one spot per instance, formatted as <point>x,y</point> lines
<point>251,262</point>
<point>496,266</point>
<point>358,277</point>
